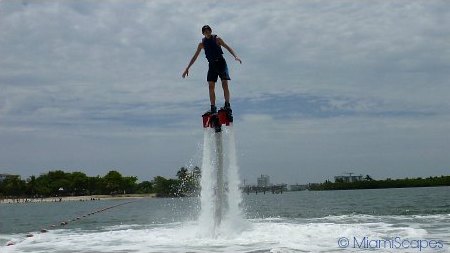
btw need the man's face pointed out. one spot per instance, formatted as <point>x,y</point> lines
<point>207,32</point>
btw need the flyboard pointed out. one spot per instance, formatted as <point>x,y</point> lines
<point>216,120</point>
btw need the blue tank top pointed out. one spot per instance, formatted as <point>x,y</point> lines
<point>212,50</point>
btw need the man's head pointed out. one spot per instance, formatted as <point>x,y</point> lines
<point>206,30</point>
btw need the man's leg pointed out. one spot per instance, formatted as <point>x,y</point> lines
<point>226,94</point>
<point>226,91</point>
<point>212,95</point>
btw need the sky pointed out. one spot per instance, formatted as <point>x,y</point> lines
<point>325,87</point>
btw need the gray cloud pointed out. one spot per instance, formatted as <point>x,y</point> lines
<point>325,86</point>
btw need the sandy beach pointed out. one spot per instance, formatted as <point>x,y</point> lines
<point>75,198</point>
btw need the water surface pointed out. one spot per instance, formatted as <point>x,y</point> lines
<point>289,222</point>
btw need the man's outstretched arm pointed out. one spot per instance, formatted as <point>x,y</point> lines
<point>186,71</point>
<point>222,43</point>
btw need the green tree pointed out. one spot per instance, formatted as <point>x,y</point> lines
<point>166,187</point>
<point>197,173</point>
<point>188,181</point>
<point>59,182</point>
<point>43,185</point>
<point>128,184</point>
<point>113,182</point>
<point>160,185</point>
<point>145,187</point>
<point>196,177</point>
<point>96,185</point>
<point>13,186</point>
<point>182,173</point>
<point>31,186</point>
<point>79,183</point>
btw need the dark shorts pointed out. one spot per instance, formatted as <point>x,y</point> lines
<point>218,68</point>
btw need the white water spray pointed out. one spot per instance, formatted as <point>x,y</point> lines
<point>234,217</point>
<point>217,146</point>
<point>206,218</point>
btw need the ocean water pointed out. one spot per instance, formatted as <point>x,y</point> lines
<point>382,220</point>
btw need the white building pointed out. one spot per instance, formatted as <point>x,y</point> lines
<point>263,181</point>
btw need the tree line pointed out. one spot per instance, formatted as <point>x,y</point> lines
<point>58,183</point>
<point>369,183</point>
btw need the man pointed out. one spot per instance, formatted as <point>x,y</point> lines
<point>217,65</point>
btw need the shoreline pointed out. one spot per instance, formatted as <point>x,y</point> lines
<point>75,198</point>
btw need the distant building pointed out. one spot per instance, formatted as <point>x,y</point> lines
<point>298,187</point>
<point>348,179</point>
<point>263,181</point>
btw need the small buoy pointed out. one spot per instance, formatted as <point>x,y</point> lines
<point>43,230</point>
<point>10,243</point>
<point>29,235</point>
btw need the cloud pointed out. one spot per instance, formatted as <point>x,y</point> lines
<point>315,75</point>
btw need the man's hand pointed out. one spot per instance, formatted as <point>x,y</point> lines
<point>237,59</point>
<point>185,73</point>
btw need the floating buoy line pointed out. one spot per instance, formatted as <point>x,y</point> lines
<point>67,222</point>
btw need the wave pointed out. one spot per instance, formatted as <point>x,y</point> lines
<point>262,235</point>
